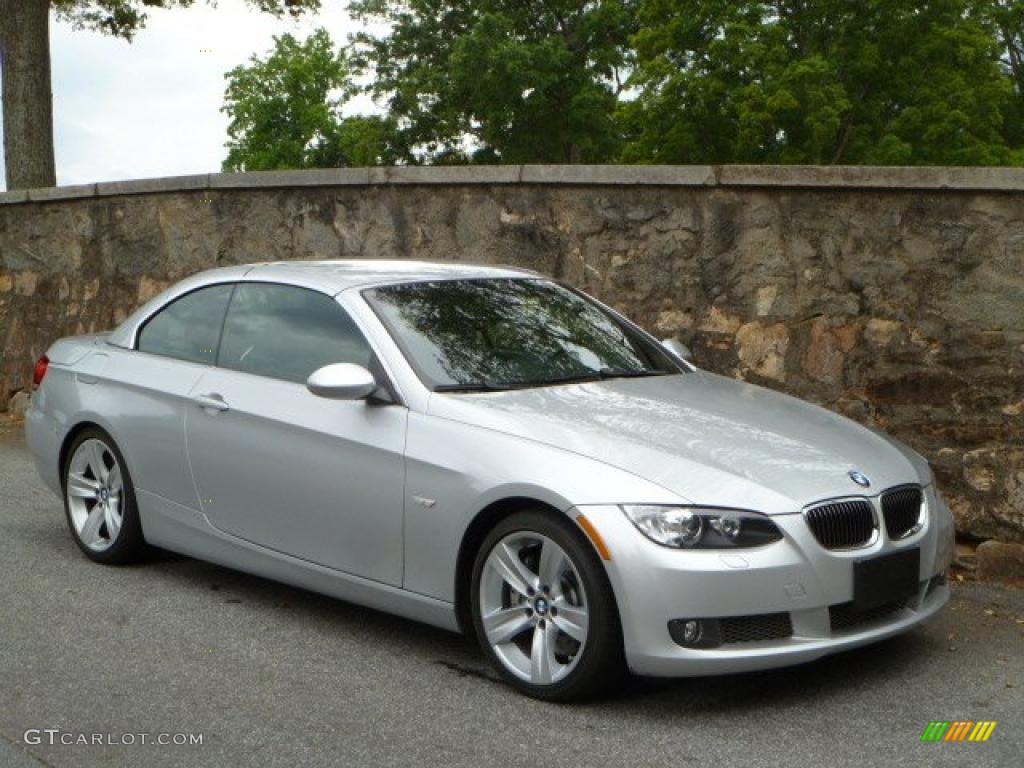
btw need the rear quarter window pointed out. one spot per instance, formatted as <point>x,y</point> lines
<point>188,328</point>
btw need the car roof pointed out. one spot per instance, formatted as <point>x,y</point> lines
<point>329,276</point>
<point>335,276</point>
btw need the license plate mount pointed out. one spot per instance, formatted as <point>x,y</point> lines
<point>886,579</point>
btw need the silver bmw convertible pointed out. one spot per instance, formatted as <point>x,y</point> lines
<point>487,450</point>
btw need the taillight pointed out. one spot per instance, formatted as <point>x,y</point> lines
<point>41,365</point>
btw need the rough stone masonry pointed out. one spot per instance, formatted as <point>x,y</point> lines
<point>895,296</point>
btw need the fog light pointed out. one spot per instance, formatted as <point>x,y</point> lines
<point>691,631</point>
<point>695,633</point>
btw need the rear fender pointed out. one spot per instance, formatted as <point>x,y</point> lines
<point>72,349</point>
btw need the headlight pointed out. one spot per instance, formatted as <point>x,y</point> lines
<point>702,527</point>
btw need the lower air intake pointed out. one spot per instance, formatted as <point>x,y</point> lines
<point>844,618</point>
<point>752,629</point>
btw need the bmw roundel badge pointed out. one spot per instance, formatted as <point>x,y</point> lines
<point>859,478</point>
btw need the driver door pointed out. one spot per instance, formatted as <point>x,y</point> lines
<point>317,479</point>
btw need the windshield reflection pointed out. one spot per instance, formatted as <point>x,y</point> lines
<point>503,333</point>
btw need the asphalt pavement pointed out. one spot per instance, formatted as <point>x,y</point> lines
<point>267,675</point>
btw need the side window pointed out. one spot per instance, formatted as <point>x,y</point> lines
<point>286,332</point>
<point>188,328</point>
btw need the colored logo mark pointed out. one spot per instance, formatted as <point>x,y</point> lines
<point>958,730</point>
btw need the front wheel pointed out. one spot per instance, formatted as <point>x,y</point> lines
<point>543,608</point>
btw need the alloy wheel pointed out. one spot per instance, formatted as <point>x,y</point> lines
<point>95,494</point>
<point>533,608</point>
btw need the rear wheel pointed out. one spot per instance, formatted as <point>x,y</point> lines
<point>99,500</point>
<point>543,608</point>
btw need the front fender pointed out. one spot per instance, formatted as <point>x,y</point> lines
<point>454,470</point>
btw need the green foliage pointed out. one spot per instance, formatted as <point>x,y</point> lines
<point>826,81</point>
<point>499,80</point>
<point>364,140</point>
<point>1006,17</point>
<point>285,111</point>
<point>123,18</point>
<point>902,82</point>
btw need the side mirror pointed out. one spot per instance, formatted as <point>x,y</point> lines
<point>342,381</point>
<point>677,349</point>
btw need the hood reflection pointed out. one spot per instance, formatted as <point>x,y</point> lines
<point>695,434</point>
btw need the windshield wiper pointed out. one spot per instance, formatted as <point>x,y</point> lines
<point>630,373</point>
<point>504,386</point>
<point>490,385</point>
<point>572,378</point>
<point>593,375</point>
<point>476,386</point>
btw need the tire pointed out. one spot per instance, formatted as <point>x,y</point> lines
<point>100,501</point>
<point>557,642</point>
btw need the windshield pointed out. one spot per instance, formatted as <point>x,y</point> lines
<point>505,333</point>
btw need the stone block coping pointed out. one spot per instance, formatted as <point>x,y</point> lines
<point>735,176</point>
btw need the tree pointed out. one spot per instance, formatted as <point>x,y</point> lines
<point>821,81</point>
<point>285,111</point>
<point>25,69</point>
<point>499,80</point>
<point>27,100</point>
<point>364,140</point>
<point>1007,18</point>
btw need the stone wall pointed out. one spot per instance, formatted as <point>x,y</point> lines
<point>895,296</point>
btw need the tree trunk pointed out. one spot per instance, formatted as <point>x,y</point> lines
<point>27,98</point>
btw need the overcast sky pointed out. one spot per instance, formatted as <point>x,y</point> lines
<point>152,107</point>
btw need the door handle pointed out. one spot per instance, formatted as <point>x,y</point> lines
<point>211,402</point>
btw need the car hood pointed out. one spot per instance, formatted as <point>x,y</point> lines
<point>709,439</point>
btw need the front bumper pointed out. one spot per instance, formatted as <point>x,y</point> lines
<point>795,579</point>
